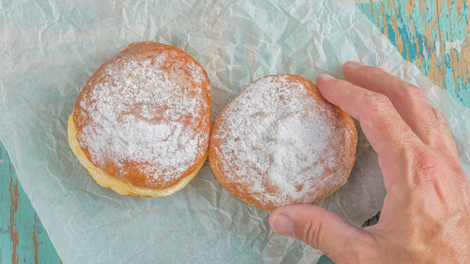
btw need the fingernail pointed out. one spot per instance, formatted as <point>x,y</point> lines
<point>283,225</point>
<point>326,77</point>
<point>354,64</point>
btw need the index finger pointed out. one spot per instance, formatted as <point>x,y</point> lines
<point>386,131</point>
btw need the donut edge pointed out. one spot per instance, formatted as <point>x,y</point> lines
<point>122,187</point>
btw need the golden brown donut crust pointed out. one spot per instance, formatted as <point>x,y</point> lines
<point>236,128</point>
<point>175,67</point>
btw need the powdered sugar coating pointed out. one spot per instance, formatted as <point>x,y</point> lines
<point>148,113</point>
<point>279,143</point>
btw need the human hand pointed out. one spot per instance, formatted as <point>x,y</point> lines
<point>426,213</point>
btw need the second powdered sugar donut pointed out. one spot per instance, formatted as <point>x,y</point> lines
<point>280,142</point>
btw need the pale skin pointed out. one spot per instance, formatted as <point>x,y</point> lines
<point>426,214</point>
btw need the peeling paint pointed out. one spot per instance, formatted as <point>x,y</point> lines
<point>456,44</point>
<point>19,226</point>
<point>35,239</point>
<point>365,1</point>
<point>438,49</point>
<point>14,200</point>
<point>432,34</point>
<point>425,50</point>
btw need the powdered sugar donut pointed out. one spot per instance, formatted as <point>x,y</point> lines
<point>280,142</point>
<point>141,124</point>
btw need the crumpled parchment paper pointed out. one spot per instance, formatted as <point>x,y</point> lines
<point>48,51</point>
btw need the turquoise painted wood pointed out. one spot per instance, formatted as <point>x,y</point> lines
<point>22,236</point>
<point>430,33</point>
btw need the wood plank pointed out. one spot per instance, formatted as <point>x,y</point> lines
<point>433,35</point>
<point>22,236</point>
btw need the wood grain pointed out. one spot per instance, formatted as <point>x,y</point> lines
<point>433,35</point>
<point>14,197</point>
<point>22,236</point>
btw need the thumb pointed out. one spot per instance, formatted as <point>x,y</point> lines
<point>321,229</point>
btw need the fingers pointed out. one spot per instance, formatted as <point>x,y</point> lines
<point>384,128</point>
<point>321,229</point>
<point>409,101</point>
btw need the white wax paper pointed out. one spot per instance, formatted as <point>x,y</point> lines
<point>49,49</point>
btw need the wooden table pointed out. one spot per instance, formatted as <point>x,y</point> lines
<point>432,34</point>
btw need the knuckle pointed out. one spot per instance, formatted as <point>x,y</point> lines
<point>441,118</point>
<point>412,93</point>
<point>458,171</point>
<point>424,163</point>
<point>456,168</point>
<point>313,231</point>
<point>376,103</point>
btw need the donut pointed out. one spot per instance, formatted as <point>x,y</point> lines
<point>141,125</point>
<point>280,142</point>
